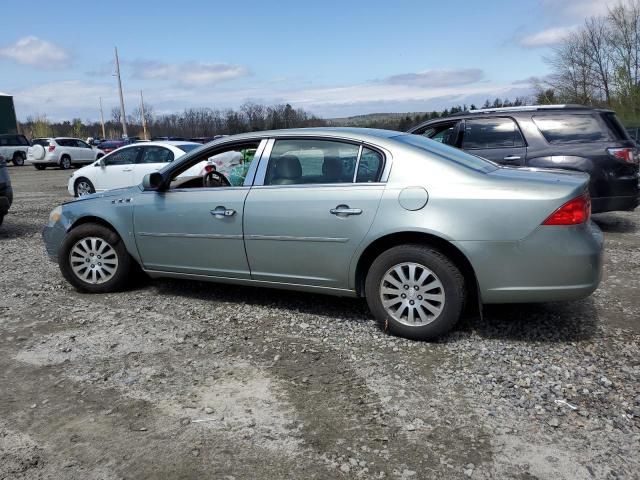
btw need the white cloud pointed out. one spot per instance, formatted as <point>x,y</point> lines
<point>36,52</point>
<point>546,38</point>
<point>437,78</point>
<point>189,74</point>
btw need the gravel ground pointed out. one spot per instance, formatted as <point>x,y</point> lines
<point>192,380</point>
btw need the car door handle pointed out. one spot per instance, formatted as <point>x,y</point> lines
<point>222,212</point>
<point>344,210</point>
<point>511,158</point>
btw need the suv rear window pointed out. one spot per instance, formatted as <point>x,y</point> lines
<point>567,128</point>
<point>40,141</point>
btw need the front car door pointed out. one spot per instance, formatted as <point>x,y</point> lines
<point>117,171</point>
<point>496,138</point>
<point>308,211</point>
<point>85,152</point>
<point>195,226</point>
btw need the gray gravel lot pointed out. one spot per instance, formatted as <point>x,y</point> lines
<point>193,380</point>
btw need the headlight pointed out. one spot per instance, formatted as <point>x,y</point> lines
<point>55,215</point>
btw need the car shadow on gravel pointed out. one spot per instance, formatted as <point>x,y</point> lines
<point>536,322</point>
<point>15,228</point>
<point>344,308</point>
<point>610,223</point>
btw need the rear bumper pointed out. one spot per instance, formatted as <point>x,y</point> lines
<point>613,204</point>
<point>616,194</point>
<point>551,264</point>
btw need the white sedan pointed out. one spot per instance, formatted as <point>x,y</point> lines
<point>126,166</point>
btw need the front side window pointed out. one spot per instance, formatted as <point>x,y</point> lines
<point>294,162</point>
<point>81,144</point>
<point>156,155</point>
<point>126,156</point>
<point>224,167</point>
<point>491,133</point>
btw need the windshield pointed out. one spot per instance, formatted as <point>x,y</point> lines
<point>187,147</point>
<point>446,152</point>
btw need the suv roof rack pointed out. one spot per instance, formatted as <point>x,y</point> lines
<point>526,108</point>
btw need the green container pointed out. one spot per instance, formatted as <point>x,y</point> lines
<point>8,123</point>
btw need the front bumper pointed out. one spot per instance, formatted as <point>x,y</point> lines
<point>554,263</point>
<point>53,235</point>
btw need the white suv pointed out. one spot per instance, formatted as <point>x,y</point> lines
<point>13,148</point>
<point>61,152</point>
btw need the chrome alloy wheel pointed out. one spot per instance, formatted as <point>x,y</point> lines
<point>412,294</point>
<point>93,260</point>
<point>83,188</point>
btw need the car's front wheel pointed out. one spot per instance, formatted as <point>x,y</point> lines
<point>94,259</point>
<point>19,158</point>
<point>83,187</point>
<point>415,291</point>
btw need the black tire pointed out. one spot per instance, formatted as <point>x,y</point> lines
<point>39,167</point>
<point>78,186</point>
<point>65,162</point>
<point>119,278</point>
<point>447,273</point>
<point>1,219</point>
<point>19,158</point>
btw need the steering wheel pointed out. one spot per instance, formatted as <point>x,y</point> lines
<point>215,179</point>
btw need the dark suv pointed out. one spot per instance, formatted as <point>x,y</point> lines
<point>6,193</point>
<point>570,137</point>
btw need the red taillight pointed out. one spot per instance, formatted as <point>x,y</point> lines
<point>52,148</point>
<point>573,212</point>
<point>625,154</point>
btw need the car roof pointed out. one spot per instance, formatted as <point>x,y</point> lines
<point>160,143</point>
<point>353,133</point>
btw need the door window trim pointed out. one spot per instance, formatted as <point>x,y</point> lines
<point>266,156</point>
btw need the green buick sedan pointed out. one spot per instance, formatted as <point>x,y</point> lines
<point>420,229</point>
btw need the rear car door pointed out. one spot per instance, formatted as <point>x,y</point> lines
<point>153,158</point>
<point>495,138</point>
<point>117,171</point>
<point>307,212</point>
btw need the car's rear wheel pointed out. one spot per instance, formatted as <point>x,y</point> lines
<point>415,291</point>
<point>83,187</point>
<point>18,159</point>
<point>40,167</point>
<point>94,259</point>
<point>65,162</point>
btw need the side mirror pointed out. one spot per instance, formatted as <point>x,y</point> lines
<point>152,181</point>
<point>101,162</point>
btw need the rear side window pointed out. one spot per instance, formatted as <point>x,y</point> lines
<point>156,154</point>
<point>569,128</point>
<point>484,133</point>
<point>370,166</point>
<point>22,140</point>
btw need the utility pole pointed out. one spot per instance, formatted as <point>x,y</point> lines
<point>144,120</point>
<point>104,135</point>
<point>123,118</point>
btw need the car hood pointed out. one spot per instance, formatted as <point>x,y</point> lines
<point>109,193</point>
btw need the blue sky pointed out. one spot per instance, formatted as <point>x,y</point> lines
<point>334,58</point>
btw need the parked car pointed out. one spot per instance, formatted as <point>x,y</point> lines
<point>14,148</point>
<point>61,152</point>
<point>416,227</point>
<point>108,146</point>
<point>126,166</point>
<point>569,137</point>
<point>6,192</point>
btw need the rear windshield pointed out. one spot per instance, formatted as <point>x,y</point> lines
<point>450,153</point>
<point>576,128</point>
<point>40,141</point>
<point>187,147</point>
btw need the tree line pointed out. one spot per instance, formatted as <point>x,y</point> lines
<point>598,64</point>
<point>208,122</point>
